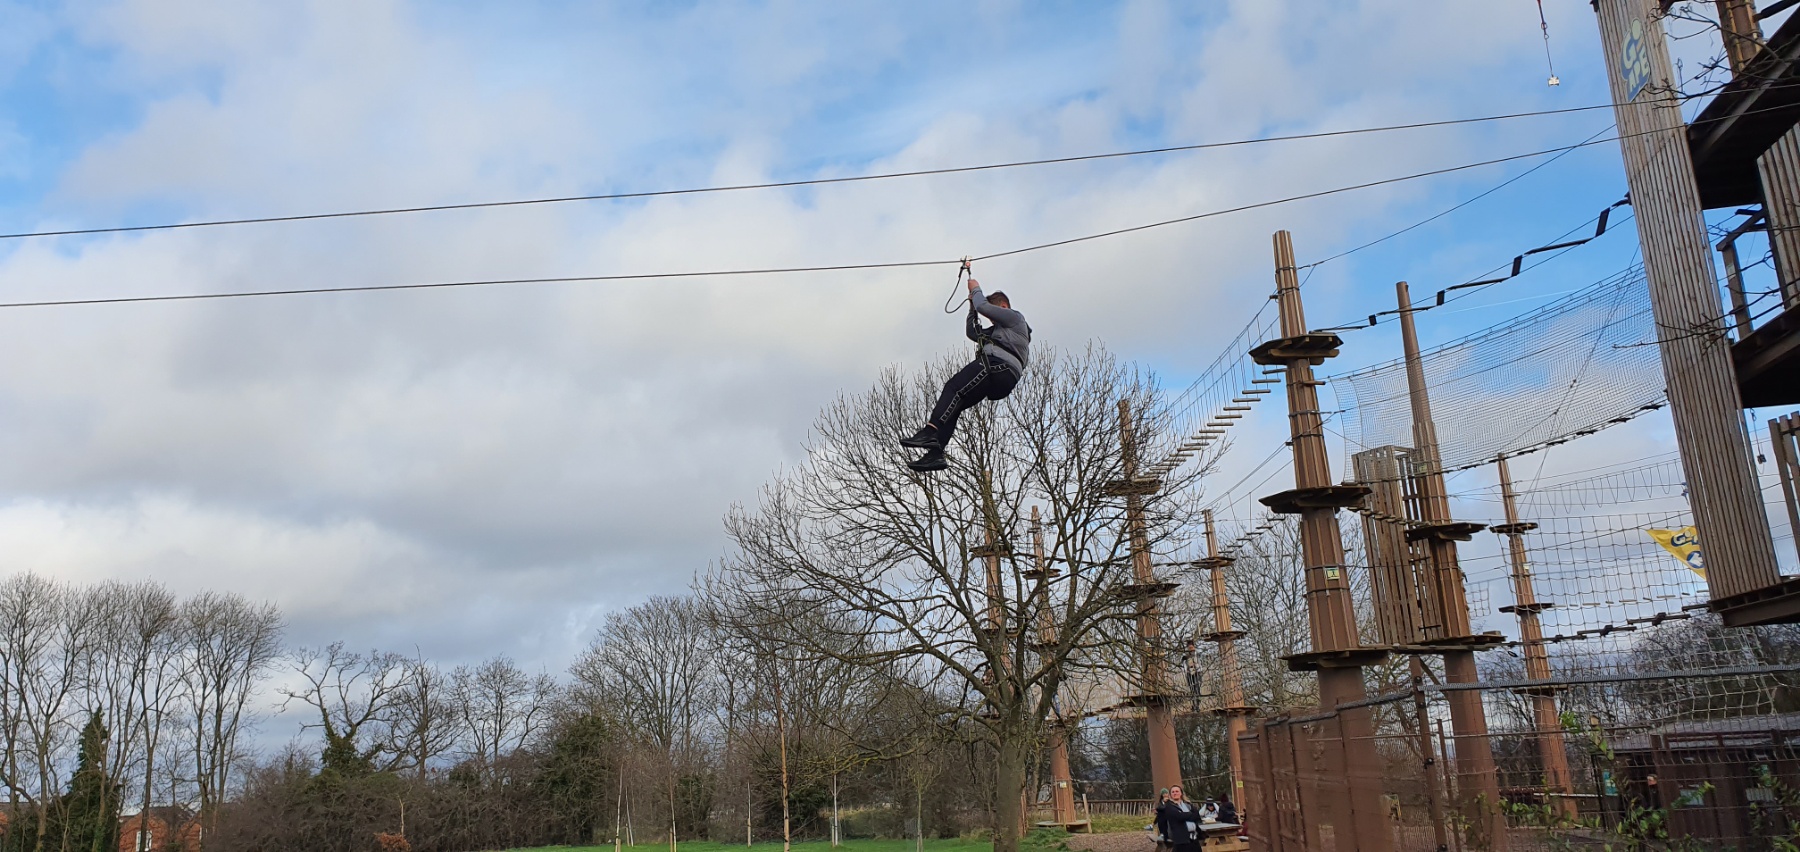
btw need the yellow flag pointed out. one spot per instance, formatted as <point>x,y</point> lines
<point>1683,544</point>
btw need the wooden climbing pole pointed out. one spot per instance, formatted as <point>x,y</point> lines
<point>1526,607</point>
<point>1231,682</point>
<point>1146,593</point>
<point>1353,804</point>
<point>1478,782</point>
<point>1062,783</point>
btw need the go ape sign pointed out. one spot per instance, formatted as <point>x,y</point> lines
<point>1634,59</point>
<point>1683,544</point>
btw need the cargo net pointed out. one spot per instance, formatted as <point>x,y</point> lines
<point>1600,574</point>
<point>1568,369</point>
<point>1637,705</point>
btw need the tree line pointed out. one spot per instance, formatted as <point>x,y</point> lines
<point>120,692</point>
<point>877,653</point>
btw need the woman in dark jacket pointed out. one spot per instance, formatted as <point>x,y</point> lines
<point>1227,811</point>
<point>1178,821</point>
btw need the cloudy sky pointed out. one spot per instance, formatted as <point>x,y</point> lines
<point>492,470</point>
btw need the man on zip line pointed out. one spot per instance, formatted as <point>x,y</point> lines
<point>1002,351</point>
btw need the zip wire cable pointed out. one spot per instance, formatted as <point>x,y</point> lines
<point>1301,197</point>
<point>1448,210</point>
<point>617,196</point>
<point>644,276</point>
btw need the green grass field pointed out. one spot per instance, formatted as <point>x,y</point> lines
<point>1117,823</point>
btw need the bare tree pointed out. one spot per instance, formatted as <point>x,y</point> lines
<point>134,629</point>
<point>653,664</point>
<point>425,721</point>
<point>500,707</point>
<point>892,557</point>
<point>827,716</point>
<point>46,638</point>
<point>231,644</point>
<point>355,697</point>
<point>158,628</point>
<point>1267,585</point>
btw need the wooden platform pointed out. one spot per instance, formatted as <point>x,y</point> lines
<point>1295,500</point>
<point>1313,347</point>
<point>1540,606</point>
<point>1341,659</point>
<point>1509,529</point>
<point>1147,591</point>
<point>1768,360</point>
<point>1777,604</point>
<point>1448,531</point>
<point>1474,642</point>
<point>1744,119</point>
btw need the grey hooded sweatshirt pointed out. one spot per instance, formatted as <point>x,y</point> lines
<point>1008,340</point>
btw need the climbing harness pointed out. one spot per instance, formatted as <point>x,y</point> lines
<point>950,304</point>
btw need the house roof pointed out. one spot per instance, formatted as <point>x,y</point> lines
<point>1736,732</point>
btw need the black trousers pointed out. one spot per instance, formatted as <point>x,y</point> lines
<point>983,378</point>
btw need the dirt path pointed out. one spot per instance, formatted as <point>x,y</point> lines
<point>1124,841</point>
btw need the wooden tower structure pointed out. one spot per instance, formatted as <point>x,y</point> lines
<point>1743,149</point>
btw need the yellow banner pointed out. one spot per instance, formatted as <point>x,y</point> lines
<point>1683,544</point>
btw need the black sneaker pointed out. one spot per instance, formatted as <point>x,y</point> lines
<point>925,439</point>
<point>932,460</point>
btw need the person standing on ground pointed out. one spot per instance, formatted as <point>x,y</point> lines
<point>1002,351</point>
<point>1178,821</point>
<point>1162,843</point>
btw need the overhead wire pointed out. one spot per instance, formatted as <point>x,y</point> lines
<point>1518,267</point>
<point>787,184</point>
<point>1313,267</point>
<point>797,269</point>
<point>1301,197</point>
<point>435,285</point>
<point>1446,211</point>
<point>770,270</point>
<point>1475,286</point>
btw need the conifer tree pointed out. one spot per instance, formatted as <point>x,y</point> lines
<point>90,811</point>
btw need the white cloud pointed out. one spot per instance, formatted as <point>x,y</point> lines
<point>480,471</point>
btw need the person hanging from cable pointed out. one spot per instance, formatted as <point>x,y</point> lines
<point>1002,352</point>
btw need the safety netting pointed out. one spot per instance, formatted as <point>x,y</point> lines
<point>1570,368</point>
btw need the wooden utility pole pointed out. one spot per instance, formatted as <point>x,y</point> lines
<point>1354,808</point>
<point>1477,776</point>
<point>1704,398</point>
<point>1537,660</point>
<point>1147,594</point>
<point>1230,675</point>
<point>1062,783</point>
